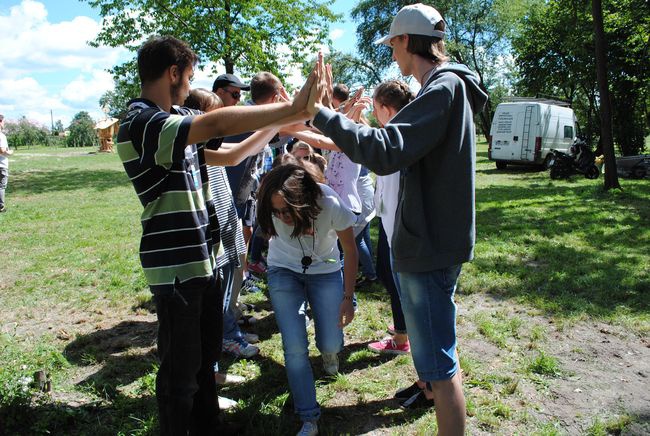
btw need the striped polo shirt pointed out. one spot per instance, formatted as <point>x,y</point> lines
<point>230,229</point>
<point>179,222</point>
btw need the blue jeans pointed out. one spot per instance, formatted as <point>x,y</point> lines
<point>289,290</point>
<point>231,329</point>
<point>430,314</point>
<point>364,247</point>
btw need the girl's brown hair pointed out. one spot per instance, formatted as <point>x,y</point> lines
<point>299,190</point>
<point>394,94</point>
<point>311,163</point>
<point>202,99</point>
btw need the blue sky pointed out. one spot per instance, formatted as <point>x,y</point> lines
<point>46,65</point>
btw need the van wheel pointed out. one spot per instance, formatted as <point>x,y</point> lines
<point>556,173</point>
<point>501,165</point>
<point>592,172</point>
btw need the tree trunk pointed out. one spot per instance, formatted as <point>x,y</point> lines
<point>611,177</point>
<point>227,60</point>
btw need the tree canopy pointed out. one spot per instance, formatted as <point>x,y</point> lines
<point>478,33</point>
<point>82,131</point>
<point>554,53</point>
<point>243,35</point>
<point>25,133</point>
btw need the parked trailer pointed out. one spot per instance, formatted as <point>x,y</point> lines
<point>524,132</point>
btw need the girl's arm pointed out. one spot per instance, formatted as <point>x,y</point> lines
<point>350,265</point>
<point>231,154</point>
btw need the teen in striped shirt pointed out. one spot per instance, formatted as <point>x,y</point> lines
<point>157,143</point>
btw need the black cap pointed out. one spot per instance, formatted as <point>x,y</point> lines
<point>229,80</point>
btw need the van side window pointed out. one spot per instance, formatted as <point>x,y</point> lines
<point>568,132</point>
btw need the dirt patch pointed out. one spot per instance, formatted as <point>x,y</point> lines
<point>604,369</point>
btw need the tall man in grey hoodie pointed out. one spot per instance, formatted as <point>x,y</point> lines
<point>432,142</point>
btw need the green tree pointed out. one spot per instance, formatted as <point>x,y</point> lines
<point>126,88</point>
<point>349,69</point>
<point>82,131</point>
<point>478,36</point>
<point>25,133</point>
<point>554,53</point>
<point>241,34</point>
<point>58,128</point>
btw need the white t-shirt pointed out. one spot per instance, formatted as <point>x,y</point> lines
<point>386,198</point>
<point>4,146</point>
<point>367,195</point>
<point>342,174</point>
<point>287,252</point>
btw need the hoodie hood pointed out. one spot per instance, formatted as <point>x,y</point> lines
<point>477,97</point>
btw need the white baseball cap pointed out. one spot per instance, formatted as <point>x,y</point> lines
<point>417,19</point>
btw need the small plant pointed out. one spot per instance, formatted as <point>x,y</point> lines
<point>544,364</point>
<point>147,383</point>
<point>613,426</point>
<point>497,328</point>
<point>537,333</point>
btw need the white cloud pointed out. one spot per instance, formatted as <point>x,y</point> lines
<point>336,34</point>
<point>37,54</point>
<point>205,78</point>
<point>88,87</point>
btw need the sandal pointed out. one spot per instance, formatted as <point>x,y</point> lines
<point>406,393</point>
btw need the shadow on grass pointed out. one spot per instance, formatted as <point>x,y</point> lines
<point>111,348</point>
<point>512,169</point>
<point>37,182</point>
<point>126,415</point>
<point>538,228</point>
<point>117,352</point>
<point>268,406</point>
<point>566,247</point>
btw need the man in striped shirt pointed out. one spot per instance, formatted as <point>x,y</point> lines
<point>157,143</point>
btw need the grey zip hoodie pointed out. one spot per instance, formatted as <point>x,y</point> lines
<point>432,142</point>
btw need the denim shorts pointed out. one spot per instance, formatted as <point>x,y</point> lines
<point>430,313</point>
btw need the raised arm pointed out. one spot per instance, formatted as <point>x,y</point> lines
<point>312,138</point>
<point>239,119</point>
<point>231,154</point>
<point>412,133</point>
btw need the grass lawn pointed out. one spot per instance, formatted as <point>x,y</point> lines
<point>555,302</point>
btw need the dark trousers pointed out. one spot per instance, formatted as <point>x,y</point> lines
<point>190,324</point>
<point>385,274</point>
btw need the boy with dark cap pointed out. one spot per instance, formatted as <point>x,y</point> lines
<point>228,87</point>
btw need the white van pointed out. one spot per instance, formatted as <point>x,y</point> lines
<point>523,132</point>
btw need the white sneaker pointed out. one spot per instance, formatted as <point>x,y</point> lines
<point>228,379</point>
<point>251,338</point>
<point>309,428</point>
<point>330,363</point>
<point>226,403</point>
<point>239,348</point>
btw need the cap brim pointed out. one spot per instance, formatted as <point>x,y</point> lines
<point>241,86</point>
<point>385,40</point>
